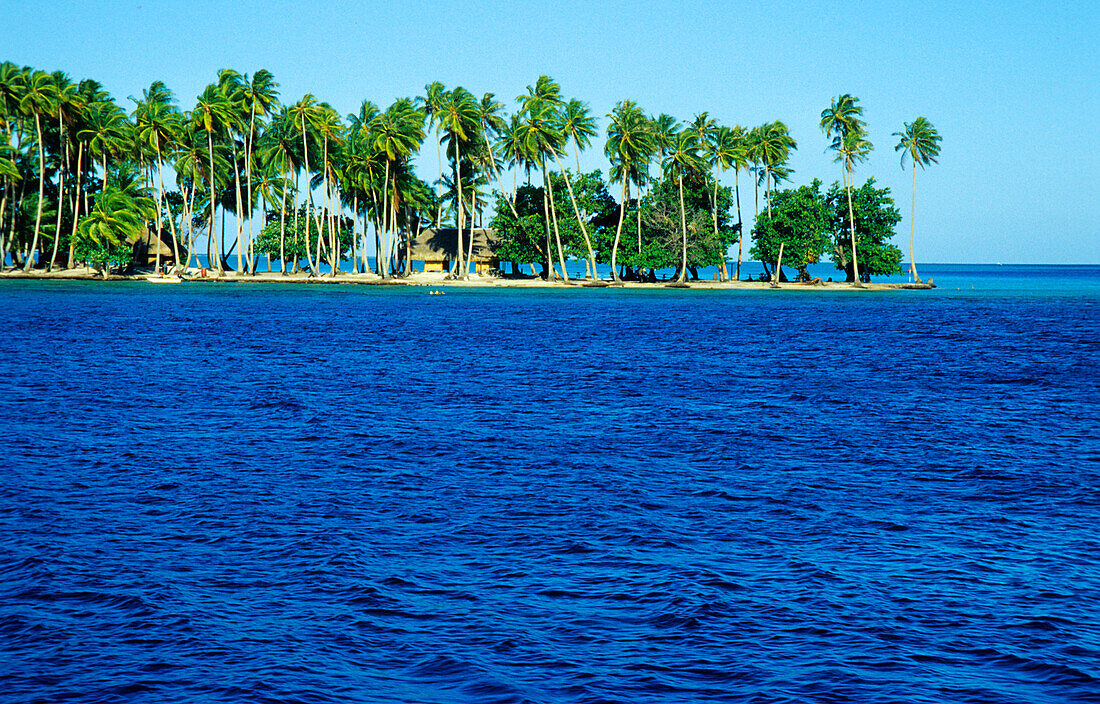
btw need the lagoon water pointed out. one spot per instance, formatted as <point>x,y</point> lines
<point>278,493</point>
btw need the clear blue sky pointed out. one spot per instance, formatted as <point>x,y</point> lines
<point>1013,87</point>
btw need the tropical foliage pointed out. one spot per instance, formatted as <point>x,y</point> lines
<point>240,175</point>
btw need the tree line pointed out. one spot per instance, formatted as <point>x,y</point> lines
<point>81,179</point>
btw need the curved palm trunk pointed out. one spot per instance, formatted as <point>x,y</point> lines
<point>61,191</point>
<point>856,282</point>
<point>740,223</point>
<point>210,177</point>
<point>309,196</point>
<point>463,266</point>
<point>76,205</point>
<point>384,270</point>
<point>41,190</point>
<point>554,219</point>
<point>912,224</point>
<point>714,211</point>
<point>580,220</point>
<point>684,229</point>
<point>240,206</point>
<point>282,230</point>
<point>248,179</point>
<point>618,232</point>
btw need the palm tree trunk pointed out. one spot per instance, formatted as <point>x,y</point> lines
<point>210,228</point>
<point>912,225</point>
<point>41,191</point>
<point>740,223</point>
<point>714,211</point>
<point>684,228</point>
<point>580,219</point>
<point>852,220</point>
<point>554,218</point>
<point>463,265</point>
<point>60,190</point>
<point>76,205</point>
<point>618,232</point>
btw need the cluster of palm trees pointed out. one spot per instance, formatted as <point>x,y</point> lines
<point>71,153</point>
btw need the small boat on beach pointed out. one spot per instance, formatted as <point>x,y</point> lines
<point>162,279</point>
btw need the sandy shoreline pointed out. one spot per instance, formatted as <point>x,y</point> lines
<point>440,280</point>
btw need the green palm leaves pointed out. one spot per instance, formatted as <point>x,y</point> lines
<point>921,143</point>
<point>842,121</point>
<point>631,142</point>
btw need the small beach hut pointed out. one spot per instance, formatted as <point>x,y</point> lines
<point>437,247</point>
<point>147,245</point>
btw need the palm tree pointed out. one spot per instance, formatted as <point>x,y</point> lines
<point>739,137</point>
<point>541,137</point>
<point>774,146</point>
<point>398,134</point>
<point>307,115</point>
<point>38,99</point>
<point>574,122</point>
<point>682,159</point>
<point>432,102</point>
<point>722,150</point>
<point>920,142</point>
<point>213,114</point>
<point>459,117</point>
<point>279,154</point>
<point>261,98</point>
<point>69,104</point>
<point>842,121</point>
<point>631,143</point>
<point>157,123</point>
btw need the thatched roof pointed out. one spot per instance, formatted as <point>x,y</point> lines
<point>147,244</point>
<point>434,244</point>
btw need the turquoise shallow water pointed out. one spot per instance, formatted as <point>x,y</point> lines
<point>354,494</point>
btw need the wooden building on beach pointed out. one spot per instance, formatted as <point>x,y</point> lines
<point>438,248</point>
<point>148,245</point>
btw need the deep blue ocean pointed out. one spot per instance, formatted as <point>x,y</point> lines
<point>292,493</point>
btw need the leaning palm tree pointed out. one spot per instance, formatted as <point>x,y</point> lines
<point>307,116</point>
<point>920,142</point>
<point>853,147</point>
<point>631,143</point>
<point>38,100</point>
<point>683,159</point>
<point>573,121</point>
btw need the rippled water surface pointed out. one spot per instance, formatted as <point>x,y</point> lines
<point>277,493</point>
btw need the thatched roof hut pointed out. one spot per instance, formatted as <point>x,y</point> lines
<point>438,247</point>
<point>147,245</point>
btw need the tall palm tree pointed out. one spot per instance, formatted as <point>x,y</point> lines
<point>541,138</point>
<point>739,137</point>
<point>683,159</point>
<point>69,103</point>
<point>213,114</point>
<point>279,154</point>
<point>432,102</point>
<point>398,134</point>
<point>774,146</point>
<point>261,98</point>
<point>575,122</point>
<point>459,117</point>
<point>631,143</point>
<point>721,151</point>
<point>539,109</point>
<point>157,125</point>
<point>307,116</point>
<point>38,100</point>
<point>843,121</point>
<point>920,142</point>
